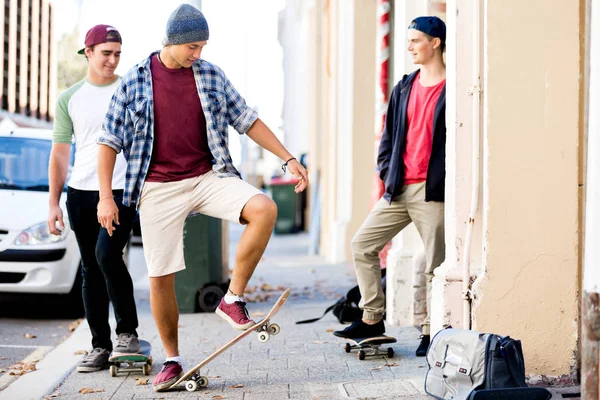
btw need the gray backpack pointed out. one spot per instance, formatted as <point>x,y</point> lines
<point>465,365</point>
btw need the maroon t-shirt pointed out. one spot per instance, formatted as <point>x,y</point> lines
<point>180,149</point>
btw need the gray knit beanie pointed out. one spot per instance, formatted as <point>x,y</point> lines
<point>186,25</point>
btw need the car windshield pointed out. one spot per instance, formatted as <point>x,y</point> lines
<point>24,163</point>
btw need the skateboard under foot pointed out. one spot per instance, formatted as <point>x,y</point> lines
<point>132,362</point>
<point>264,328</point>
<point>369,347</point>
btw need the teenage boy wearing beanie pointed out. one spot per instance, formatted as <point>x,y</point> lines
<point>80,111</point>
<point>170,116</point>
<point>411,162</point>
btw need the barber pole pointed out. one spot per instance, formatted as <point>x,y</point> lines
<point>383,37</point>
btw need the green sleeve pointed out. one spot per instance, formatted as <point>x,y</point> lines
<point>63,125</point>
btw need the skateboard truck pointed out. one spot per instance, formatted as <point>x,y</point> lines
<point>370,347</point>
<point>362,354</point>
<point>266,330</point>
<point>195,381</point>
<point>130,366</point>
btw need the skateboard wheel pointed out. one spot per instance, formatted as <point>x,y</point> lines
<point>113,370</point>
<point>191,386</point>
<point>274,329</point>
<point>390,352</point>
<point>348,348</point>
<point>146,369</point>
<point>263,337</point>
<point>362,355</point>
<point>203,381</point>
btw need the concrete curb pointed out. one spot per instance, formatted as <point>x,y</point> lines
<point>52,369</point>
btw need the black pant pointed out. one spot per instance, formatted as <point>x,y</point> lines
<point>105,275</point>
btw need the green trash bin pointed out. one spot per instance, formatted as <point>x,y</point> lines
<point>200,287</point>
<point>282,193</point>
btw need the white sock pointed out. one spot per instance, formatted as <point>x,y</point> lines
<point>176,359</point>
<point>232,299</point>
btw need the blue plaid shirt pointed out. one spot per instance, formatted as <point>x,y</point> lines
<point>129,122</point>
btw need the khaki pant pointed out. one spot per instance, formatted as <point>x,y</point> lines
<point>382,224</point>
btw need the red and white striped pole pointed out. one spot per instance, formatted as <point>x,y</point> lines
<point>383,38</point>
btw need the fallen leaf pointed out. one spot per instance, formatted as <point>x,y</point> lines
<point>140,381</point>
<point>236,386</point>
<point>52,396</point>
<point>2,370</point>
<point>266,287</point>
<point>218,397</point>
<point>329,330</point>
<point>21,368</point>
<point>214,377</point>
<point>391,365</point>
<point>73,325</point>
<point>85,352</point>
<point>88,390</point>
<point>30,336</point>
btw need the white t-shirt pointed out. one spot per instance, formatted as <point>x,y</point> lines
<point>80,111</point>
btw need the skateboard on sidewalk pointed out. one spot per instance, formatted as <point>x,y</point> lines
<point>132,362</point>
<point>265,329</point>
<point>369,347</point>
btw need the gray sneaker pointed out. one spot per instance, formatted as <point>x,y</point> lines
<point>95,361</point>
<point>127,344</point>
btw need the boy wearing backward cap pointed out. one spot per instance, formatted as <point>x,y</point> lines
<point>411,163</point>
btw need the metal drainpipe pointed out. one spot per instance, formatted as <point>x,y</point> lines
<point>475,91</point>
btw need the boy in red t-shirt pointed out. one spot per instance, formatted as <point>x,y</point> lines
<point>411,162</point>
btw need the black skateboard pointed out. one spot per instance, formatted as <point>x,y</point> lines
<point>369,347</point>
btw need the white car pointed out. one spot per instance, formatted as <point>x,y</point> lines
<point>31,259</point>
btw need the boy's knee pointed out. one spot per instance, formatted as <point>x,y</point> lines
<point>358,243</point>
<point>260,209</point>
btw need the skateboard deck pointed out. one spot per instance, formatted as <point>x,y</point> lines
<point>132,362</point>
<point>369,347</point>
<point>264,328</point>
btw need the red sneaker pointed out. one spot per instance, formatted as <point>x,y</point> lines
<point>169,374</point>
<point>236,314</point>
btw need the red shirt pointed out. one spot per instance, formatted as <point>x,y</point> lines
<point>419,135</point>
<point>180,147</point>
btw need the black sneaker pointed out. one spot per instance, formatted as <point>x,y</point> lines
<point>423,346</point>
<point>95,361</point>
<point>360,330</point>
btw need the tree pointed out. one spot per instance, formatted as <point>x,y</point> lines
<point>72,67</point>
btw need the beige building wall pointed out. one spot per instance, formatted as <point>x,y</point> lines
<point>336,101</point>
<point>526,245</point>
<point>531,188</point>
<point>12,56</point>
<point>461,188</point>
<point>347,81</point>
<point>23,61</point>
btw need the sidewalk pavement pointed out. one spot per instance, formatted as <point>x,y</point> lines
<point>303,362</point>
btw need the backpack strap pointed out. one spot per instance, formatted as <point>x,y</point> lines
<point>513,364</point>
<point>308,321</point>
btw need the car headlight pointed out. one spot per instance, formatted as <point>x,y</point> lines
<point>39,235</point>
